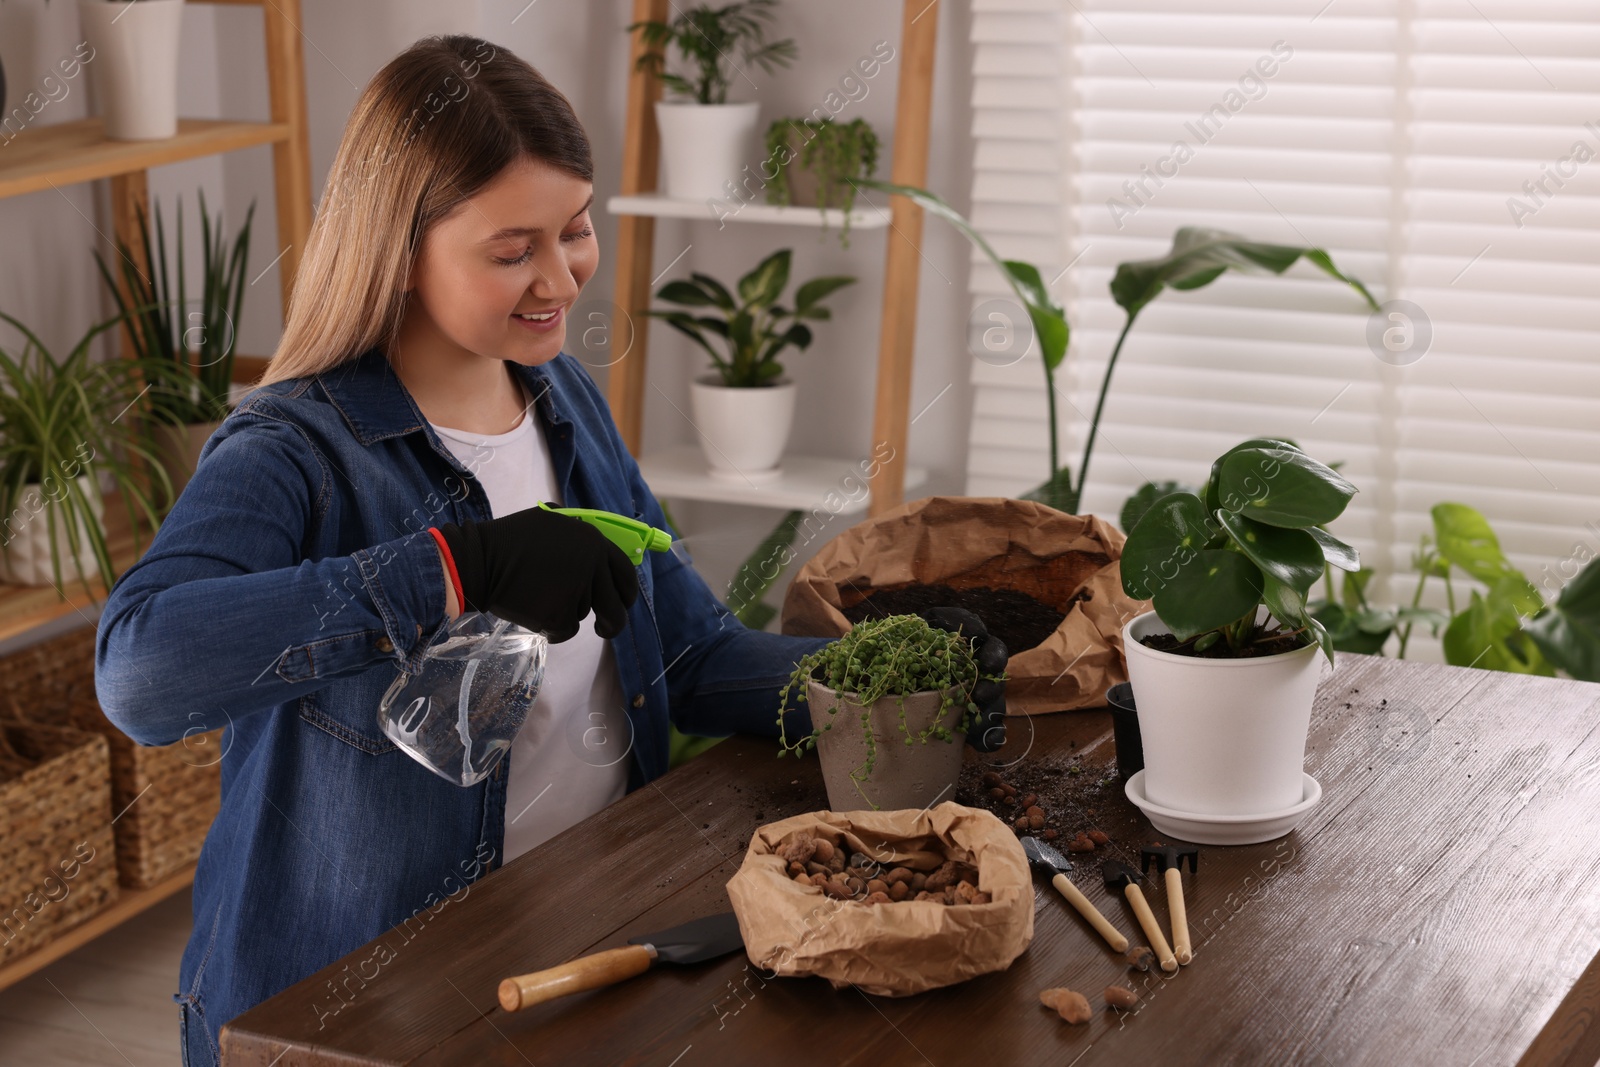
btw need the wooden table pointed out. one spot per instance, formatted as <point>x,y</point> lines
<point>1440,906</point>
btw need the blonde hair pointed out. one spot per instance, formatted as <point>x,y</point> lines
<point>432,128</point>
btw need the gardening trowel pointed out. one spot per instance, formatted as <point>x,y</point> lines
<point>1047,860</point>
<point>702,939</point>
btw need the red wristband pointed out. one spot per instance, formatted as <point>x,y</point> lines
<point>450,568</point>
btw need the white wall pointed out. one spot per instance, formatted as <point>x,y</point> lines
<point>48,279</point>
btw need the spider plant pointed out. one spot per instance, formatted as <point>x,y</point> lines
<point>62,420</point>
<point>189,354</point>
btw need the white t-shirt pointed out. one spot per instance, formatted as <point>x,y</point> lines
<point>570,759</point>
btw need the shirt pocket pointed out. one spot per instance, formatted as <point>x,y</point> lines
<point>349,712</point>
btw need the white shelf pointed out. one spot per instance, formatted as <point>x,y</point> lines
<point>804,483</point>
<point>662,207</point>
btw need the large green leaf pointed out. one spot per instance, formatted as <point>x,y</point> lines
<point>1336,552</point>
<point>762,285</point>
<point>1488,634</point>
<point>1200,256</point>
<point>1569,632</point>
<point>1171,533</point>
<point>1135,506</point>
<point>1291,557</point>
<point>1282,487</point>
<point>817,288</point>
<point>1209,494</point>
<point>689,294</point>
<point>1048,318</point>
<point>1466,539</point>
<point>718,292</point>
<point>1214,588</point>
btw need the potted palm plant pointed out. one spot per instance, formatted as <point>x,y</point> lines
<point>65,423</point>
<point>135,68</point>
<point>744,409</point>
<point>878,696</point>
<point>188,353</point>
<point>1225,668</point>
<point>704,139</point>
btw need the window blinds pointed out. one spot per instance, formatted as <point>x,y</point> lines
<point>1447,152</point>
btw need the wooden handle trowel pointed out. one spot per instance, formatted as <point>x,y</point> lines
<point>693,942</point>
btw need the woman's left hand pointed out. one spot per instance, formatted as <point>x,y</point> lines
<point>989,732</point>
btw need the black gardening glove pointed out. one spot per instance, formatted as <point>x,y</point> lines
<point>989,732</point>
<point>544,571</point>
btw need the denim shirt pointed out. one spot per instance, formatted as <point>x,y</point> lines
<point>290,583</point>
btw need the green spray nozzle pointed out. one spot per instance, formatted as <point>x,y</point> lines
<point>631,535</point>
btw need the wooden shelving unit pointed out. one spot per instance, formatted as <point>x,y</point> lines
<point>638,207</point>
<point>50,157</point>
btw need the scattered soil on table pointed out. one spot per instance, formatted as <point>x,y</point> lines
<point>1080,800</point>
<point>1271,646</point>
<point>1015,617</point>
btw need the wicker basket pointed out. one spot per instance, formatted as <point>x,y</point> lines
<point>166,796</point>
<point>56,847</point>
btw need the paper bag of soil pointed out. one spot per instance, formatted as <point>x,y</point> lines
<point>1068,562</point>
<point>894,949</point>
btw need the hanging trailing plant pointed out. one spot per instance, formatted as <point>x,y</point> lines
<point>837,154</point>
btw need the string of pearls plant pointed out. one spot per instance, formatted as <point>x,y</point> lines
<point>897,655</point>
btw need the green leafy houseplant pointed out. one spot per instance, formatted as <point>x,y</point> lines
<point>1507,625</point>
<point>708,38</point>
<point>892,657</point>
<point>745,333</point>
<point>1198,257</point>
<point>1252,536</point>
<point>837,154</point>
<point>190,355</point>
<point>66,419</point>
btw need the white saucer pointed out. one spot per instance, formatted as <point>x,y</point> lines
<point>1223,829</point>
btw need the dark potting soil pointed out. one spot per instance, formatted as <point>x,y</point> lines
<point>1015,617</point>
<point>1272,646</point>
<point>1084,809</point>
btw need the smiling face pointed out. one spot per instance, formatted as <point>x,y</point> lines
<point>497,277</point>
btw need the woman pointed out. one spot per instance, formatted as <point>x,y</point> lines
<point>346,511</point>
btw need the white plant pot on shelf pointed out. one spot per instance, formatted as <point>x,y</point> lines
<point>1222,737</point>
<point>134,65</point>
<point>705,146</point>
<point>742,431</point>
<point>25,535</point>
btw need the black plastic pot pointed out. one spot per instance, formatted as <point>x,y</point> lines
<point>1125,730</point>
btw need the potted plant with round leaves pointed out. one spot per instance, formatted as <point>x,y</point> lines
<point>1225,668</point>
<point>890,702</point>
<point>705,141</point>
<point>744,409</point>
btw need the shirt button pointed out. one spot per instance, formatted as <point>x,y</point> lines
<point>385,645</point>
<point>638,700</point>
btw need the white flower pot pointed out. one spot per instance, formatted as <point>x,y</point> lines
<point>25,535</point>
<point>706,146</point>
<point>742,431</point>
<point>1222,737</point>
<point>134,66</point>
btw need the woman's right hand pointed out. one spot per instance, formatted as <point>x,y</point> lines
<point>543,570</point>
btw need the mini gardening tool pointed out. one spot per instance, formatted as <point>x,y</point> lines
<point>693,942</point>
<point>1169,858</point>
<point>1127,879</point>
<point>1047,860</point>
